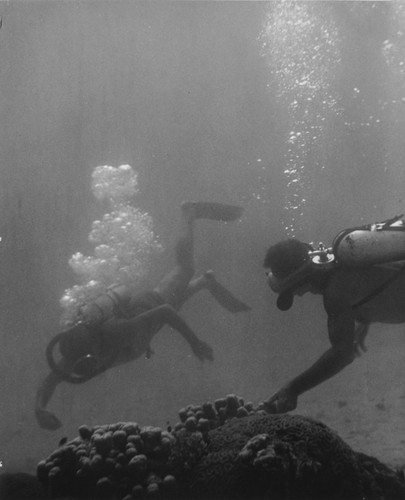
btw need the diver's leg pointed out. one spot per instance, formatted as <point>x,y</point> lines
<point>45,418</point>
<point>172,289</point>
<point>222,295</point>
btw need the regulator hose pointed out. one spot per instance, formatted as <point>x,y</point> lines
<point>86,362</point>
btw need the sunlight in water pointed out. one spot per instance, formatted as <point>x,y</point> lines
<point>393,108</point>
<point>301,44</point>
<point>394,55</point>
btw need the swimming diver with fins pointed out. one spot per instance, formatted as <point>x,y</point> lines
<point>119,326</point>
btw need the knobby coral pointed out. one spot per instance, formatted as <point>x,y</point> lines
<point>225,450</point>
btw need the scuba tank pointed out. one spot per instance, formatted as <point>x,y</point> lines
<point>362,246</point>
<point>377,243</point>
<point>77,342</point>
<point>321,259</point>
<point>111,304</point>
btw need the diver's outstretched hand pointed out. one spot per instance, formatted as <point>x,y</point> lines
<point>283,401</point>
<point>202,350</point>
<point>47,420</point>
<point>360,335</point>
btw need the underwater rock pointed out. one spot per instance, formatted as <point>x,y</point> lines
<point>225,450</point>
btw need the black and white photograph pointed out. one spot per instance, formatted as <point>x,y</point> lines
<point>202,250</point>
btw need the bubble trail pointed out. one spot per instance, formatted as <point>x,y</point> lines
<point>301,43</point>
<point>124,242</point>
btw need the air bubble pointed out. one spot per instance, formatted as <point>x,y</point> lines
<point>124,241</point>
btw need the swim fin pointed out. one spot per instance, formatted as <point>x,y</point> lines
<point>224,297</point>
<point>213,211</point>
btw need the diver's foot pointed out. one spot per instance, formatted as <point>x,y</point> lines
<point>47,420</point>
<point>212,211</point>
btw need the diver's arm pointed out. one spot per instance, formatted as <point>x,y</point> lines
<point>168,315</point>
<point>219,292</point>
<point>200,348</point>
<point>161,315</point>
<point>340,354</point>
<point>45,418</point>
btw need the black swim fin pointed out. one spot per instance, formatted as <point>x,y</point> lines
<point>224,297</point>
<point>214,211</point>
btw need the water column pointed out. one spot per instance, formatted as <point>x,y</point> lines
<point>301,45</point>
<point>393,51</point>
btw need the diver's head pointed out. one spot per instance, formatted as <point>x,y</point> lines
<point>74,362</point>
<point>289,263</point>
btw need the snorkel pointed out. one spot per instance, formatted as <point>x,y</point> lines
<point>321,260</point>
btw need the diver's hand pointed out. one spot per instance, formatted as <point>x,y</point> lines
<point>283,401</point>
<point>359,346</point>
<point>47,420</point>
<point>360,335</point>
<point>202,350</point>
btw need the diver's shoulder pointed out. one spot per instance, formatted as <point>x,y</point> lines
<point>345,280</point>
<point>355,272</point>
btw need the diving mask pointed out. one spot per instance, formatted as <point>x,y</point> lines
<point>321,259</point>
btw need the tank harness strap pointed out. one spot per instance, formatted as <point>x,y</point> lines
<point>100,310</point>
<point>379,289</point>
<point>387,223</point>
<point>117,303</point>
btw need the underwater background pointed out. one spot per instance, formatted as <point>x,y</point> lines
<point>293,110</point>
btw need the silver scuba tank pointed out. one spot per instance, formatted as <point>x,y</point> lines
<point>377,243</point>
<point>113,303</point>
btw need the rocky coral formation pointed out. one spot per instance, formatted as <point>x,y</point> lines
<point>224,450</point>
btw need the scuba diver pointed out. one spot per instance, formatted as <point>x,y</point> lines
<point>362,281</point>
<point>118,326</point>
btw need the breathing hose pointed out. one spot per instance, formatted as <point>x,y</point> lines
<point>89,363</point>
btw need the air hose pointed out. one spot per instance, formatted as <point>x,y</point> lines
<point>84,369</point>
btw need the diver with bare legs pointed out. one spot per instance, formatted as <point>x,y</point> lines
<point>126,323</point>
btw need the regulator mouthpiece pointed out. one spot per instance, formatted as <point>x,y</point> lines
<point>285,301</point>
<point>321,259</point>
